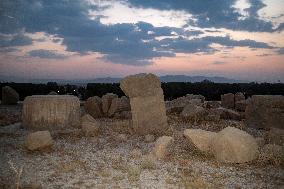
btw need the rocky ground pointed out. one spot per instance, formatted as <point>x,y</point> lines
<point>119,159</point>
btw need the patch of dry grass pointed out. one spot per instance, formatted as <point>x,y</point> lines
<point>118,177</point>
<point>148,162</point>
<point>133,173</point>
<point>105,173</point>
<point>70,166</point>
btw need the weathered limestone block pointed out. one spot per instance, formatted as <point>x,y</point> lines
<point>161,146</point>
<point>239,97</point>
<point>119,105</point>
<point>265,111</point>
<point>177,105</point>
<point>232,145</point>
<point>9,96</point>
<point>193,112</point>
<point>93,106</point>
<point>241,105</point>
<point>51,112</point>
<point>228,100</point>
<point>201,139</point>
<point>106,102</point>
<point>38,140</point>
<point>147,103</point>
<point>90,126</point>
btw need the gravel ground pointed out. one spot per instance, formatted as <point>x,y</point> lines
<point>107,161</point>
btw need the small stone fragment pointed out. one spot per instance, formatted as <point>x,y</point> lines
<point>161,146</point>
<point>38,140</point>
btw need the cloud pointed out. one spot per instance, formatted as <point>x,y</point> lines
<point>14,40</point>
<point>280,51</point>
<point>9,49</point>
<point>215,13</point>
<point>218,62</point>
<point>41,53</point>
<point>196,45</point>
<point>123,43</point>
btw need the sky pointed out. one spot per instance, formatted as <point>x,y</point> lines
<point>86,39</point>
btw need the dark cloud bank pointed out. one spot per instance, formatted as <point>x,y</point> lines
<point>125,43</point>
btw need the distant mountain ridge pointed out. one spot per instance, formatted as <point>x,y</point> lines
<point>173,78</point>
<point>166,78</point>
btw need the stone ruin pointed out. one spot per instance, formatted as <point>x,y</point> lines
<point>51,112</point>
<point>109,106</point>
<point>265,111</point>
<point>234,101</point>
<point>147,103</point>
<point>9,96</point>
<point>149,118</point>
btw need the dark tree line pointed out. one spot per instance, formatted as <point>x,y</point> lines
<point>172,90</point>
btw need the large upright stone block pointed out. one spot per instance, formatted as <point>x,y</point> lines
<point>147,103</point>
<point>228,100</point>
<point>265,111</point>
<point>93,106</point>
<point>51,112</point>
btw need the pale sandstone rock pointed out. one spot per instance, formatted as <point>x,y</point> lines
<point>161,146</point>
<point>51,112</point>
<point>106,101</point>
<point>239,97</point>
<point>147,103</point>
<point>90,126</point>
<point>228,100</point>
<point>191,111</point>
<point>201,139</point>
<point>232,145</point>
<point>177,105</point>
<point>38,140</point>
<point>119,105</point>
<point>93,106</point>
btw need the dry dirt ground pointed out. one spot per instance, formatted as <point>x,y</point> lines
<point>110,161</point>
